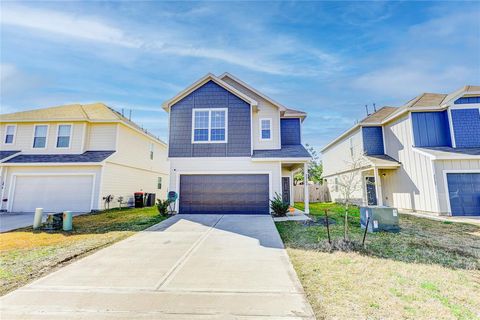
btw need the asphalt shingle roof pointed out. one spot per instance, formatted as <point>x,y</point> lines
<point>287,151</point>
<point>7,153</point>
<point>88,156</point>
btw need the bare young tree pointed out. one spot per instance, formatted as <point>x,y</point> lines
<point>349,183</point>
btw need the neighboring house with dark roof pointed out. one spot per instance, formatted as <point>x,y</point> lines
<point>232,148</point>
<point>71,157</point>
<point>423,156</point>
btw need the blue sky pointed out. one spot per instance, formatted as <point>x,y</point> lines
<point>326,58</point>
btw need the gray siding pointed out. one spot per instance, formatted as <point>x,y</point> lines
<point>210,95</point>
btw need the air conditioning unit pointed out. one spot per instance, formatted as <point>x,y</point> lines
<point>381,219</point>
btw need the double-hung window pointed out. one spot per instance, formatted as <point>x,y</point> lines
<point>10,134</point>
<point>265,129</point>
<point>40,136</point>
<point>63,135</point>
<point>209,125</point>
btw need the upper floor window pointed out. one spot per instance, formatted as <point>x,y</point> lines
<point>209,125</point>
<point>10,134</point>
<point>151,151</point>
<point>63,135</point>
<point>40,136</point>
<point>265,129</point>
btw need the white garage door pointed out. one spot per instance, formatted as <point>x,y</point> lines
<point>53,193</point>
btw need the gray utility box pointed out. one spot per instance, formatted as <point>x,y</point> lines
<point>381,219</point>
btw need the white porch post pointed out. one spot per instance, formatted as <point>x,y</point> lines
<point>306,199</point>
<point>378,187</point>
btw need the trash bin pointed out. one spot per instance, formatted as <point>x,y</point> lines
<point>150,199</point>
<point>139,199</point>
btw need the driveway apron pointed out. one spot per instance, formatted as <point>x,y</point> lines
<point>187,267</point>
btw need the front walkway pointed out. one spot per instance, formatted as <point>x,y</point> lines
<point>187,267</point>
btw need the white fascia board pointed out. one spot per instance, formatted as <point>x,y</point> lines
<point>10,157</point>
<point>166,105</point>
<point>291,160</point>
<point>275,103</point>
<point>52,164</point>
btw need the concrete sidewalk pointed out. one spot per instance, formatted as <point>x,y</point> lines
<point>187,267</point>
<point>15,220</point>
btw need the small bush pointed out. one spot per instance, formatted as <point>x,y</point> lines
<point>279,207</point>
<point>162,206</point>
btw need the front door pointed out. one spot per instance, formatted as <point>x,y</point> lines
<point>286,189</point>
<point>371,192</point>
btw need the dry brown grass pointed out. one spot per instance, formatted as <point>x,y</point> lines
<point>26,254</point>
<point>430,270</point>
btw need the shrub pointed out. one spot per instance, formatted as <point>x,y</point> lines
<point>162,206</point>
<point>279,207</point>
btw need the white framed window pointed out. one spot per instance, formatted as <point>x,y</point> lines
<point>209,125</point>
<point>40,132</point>
<point>64,133</point>
<point>265,129</point>
<point>151,151</point>
<point>10,131</point>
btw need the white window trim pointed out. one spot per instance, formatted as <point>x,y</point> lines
<point>14,133</point>
<point>70,135</point>
<point>210,124</point>
<point>260,128</point>
<point>46,135</point>
<point>445,183</point>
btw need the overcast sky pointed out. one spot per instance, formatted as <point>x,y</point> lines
<point>326,58</point>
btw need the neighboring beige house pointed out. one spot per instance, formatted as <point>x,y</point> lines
<point>423,156</point>
<point>71,157</point>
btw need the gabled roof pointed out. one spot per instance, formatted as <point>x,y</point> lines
<point>86,157</point>
<point>208,77</point>
<point>378,116</point>
<point>423,102</point>
<point>93,112</point>
<point>247,86</point>
<point>87,112</point>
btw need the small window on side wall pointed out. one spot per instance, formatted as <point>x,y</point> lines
<point>265,129</point>
<point>159,183</point>
<point>10,134</point>
<point>151,151</point>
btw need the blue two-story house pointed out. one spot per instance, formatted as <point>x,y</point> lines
<point>232,148</point>
<point>423,156</point>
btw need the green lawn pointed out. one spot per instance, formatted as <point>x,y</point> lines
<point>26,255</point>
<point>429,270</point>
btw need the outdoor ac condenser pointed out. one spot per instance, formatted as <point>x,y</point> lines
<point>381,219</point>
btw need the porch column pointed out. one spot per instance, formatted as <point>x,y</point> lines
<point>378,187</point>
<point>306,199</point>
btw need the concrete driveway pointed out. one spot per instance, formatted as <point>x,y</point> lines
<point>187,267</point>
<point>14,220</point>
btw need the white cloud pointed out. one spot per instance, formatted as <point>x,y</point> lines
<point>278,55</point>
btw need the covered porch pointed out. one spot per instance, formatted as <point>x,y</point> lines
<point>288,170</point>
<point>373,178</point>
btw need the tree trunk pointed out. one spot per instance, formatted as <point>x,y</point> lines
<point>345,226</point>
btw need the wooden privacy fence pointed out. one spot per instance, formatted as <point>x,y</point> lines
<point>317,193</point>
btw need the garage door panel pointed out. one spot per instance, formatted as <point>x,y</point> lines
<point>464,193</point>
<point>53,193</point>
<point>224,194</point>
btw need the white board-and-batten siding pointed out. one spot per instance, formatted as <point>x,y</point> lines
<point>412,186</point>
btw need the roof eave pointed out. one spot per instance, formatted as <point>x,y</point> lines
<point>209,76</point>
